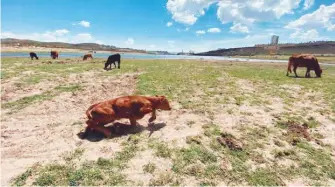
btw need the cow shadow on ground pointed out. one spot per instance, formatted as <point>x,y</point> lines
<point>301,77</point>
<point>121,129</point>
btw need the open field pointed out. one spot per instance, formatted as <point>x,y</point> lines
<point>232,123</point>
<point>321,59</point>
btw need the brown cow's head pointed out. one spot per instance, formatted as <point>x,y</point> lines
<point>163,103</point>
<point>318,72</point>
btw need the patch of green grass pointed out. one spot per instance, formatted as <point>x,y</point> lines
<point>312,122</point>
<point>188,156</point>
<point>318,164</point>
<point>34,79</point>
<point>211,130</point>
<point>165,179</point>
<point>161,149</point>
<point>273,75</point>
<point>149,168</point>
<point>29,100</point>
<point>68,88</point>
<point>264,177</point>
<point>93,173</point>
<point>193,139</point>
<point>73,155</point>
<point>21,179</point>
<point>26,101</point>
<point>284,153</point>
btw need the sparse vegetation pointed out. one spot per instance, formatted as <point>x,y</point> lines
<point>149,168</point>
<point>274,119</point>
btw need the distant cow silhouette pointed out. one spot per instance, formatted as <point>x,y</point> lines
<point>111,60</point>
<point>87,56</point>
<point>33,55</point>
<point>304,60</point>
<point>54,54</point>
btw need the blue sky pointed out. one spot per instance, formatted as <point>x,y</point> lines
<point>172,25</point>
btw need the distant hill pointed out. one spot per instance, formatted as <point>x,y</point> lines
<point>323,47</point>
<point>10,42</point>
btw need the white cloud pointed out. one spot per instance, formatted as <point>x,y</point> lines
<point>152,46</point>
<point>331,27</point>
<point>239,28</point>
<point>306,36</point>
<point>249,11</point>
<point>60,35</point>
<point>214,30</point>
<point>242,11</point>
<point>7,35</point>
<point>99,42</point>
<point>171,43</point>
<point>308,4</point>
<point>169,24</point>
<point>200,32</point>
<point>129,41</point>
<point>60,32</point>
<point>323,17</point>
<point>83,37</point>
<point>83,23</point>
<point>183,30</point>
<point>187,11</point>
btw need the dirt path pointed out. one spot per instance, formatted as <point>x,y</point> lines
<point>41,131</point>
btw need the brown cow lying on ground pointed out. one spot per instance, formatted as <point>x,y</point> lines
<point>304,60</point>
<point>87,56</point>
<point>130,107</point>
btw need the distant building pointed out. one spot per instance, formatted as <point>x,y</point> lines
<point>274,40</point>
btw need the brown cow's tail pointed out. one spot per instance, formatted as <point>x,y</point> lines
<point>89,110</point>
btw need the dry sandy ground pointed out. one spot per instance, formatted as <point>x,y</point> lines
<point>44,132</point>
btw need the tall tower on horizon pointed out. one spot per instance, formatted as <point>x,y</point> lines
<point>274,40</point>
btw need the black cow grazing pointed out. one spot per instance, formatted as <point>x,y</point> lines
<point>33,55</point>
<point>111,60</point>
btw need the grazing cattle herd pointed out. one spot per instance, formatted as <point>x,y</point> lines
<point>136,107</point>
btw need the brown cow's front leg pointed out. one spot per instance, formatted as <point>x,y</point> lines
<point>153,116</point>
<point>308,73</point>
<point>295,71</point>
<point>103,130</point>
<point>96,126</point>
<point>132,122</point>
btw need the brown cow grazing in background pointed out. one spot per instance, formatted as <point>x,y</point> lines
<point>87,56</point>
<point>130,107</point>
<point>33,55</point>
<point>304,60</point>
<point>54,54</point>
